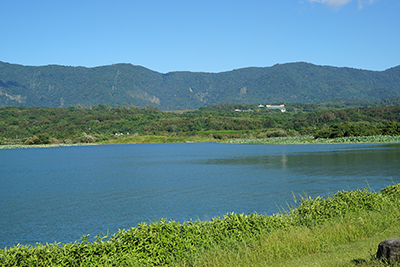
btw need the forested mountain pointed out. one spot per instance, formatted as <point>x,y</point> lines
<point>60,86</point>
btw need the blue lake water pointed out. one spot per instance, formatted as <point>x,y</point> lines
<point>61,193</point>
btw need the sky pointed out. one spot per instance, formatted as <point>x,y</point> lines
<point>201,35</point>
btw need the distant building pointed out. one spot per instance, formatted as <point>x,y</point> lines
<point>281,107</point>
<point>245,110</point>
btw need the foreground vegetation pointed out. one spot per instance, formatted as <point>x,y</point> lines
<point>306,232</point>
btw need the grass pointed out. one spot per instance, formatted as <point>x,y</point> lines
<point>148,139</point>
<point>311,140</point>
<point>349,241</point>
<point>355,253</point>
<point>141,139</point>
<point>341,230</point>
<point>47,145</point>
<point>223,132</point>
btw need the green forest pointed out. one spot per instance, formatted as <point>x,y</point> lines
<point>102,123</point>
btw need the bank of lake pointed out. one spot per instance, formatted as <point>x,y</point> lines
<point>147,139</point>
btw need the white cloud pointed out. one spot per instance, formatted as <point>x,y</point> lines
<point>338,3</point>
<point>332,3</point>
<point>361,3</point>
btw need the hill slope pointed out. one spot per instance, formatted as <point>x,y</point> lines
<point>60,86</point>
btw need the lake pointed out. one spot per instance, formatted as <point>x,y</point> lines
<point>61,193</point>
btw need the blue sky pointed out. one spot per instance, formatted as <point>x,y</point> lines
<point>207,36</point>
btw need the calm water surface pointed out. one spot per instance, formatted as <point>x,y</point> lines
<point>61,193</point>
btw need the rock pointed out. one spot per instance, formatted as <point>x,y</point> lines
<point>389,249</point>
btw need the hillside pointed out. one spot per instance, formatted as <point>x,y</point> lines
<point>60,86</point>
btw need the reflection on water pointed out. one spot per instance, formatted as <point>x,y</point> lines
<point>59,194</point>
<point>284,160</point>
<point>369,161</point>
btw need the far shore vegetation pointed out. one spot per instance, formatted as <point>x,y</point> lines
<point>341,230</point>
<point>240,123</point>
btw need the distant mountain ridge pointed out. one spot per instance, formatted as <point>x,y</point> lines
<point>60,86</point>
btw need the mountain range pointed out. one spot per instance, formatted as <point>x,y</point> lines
<point>117,84</point>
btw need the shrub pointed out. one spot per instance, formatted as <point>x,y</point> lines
<point>347,129</point>
<point>392,128</point>
<point>54,141</point>
<point>340,204</point>
<point>392,192</point>
<point>85,138</point>
<point>276,133</point>
<point>39,139</point>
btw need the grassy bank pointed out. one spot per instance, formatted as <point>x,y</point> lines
<point>41,146</point>
<point>310,231</point>
<point>150,139</point>
<point>136,139</point>
<point>312,140</point>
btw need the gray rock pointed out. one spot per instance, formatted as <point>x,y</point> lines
<point>389,249</point>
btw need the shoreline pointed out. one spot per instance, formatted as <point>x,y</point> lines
<point>309,140</point>
<point>298,140</point>
<point>44,146</point>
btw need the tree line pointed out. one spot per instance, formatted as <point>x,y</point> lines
<point>80,123</point>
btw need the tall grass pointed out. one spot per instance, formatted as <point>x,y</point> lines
<point>280,246</point>
<point>316,225</point>
<point>310,226</point>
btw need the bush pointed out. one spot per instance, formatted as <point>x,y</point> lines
<point>276,133</point>
<point>85,138</point>
<point>272,133</point>
<point>392,192</point>
<point>393,128</point>
<point>347,130</point>
<point>54,141</point>
<point>40,139</point>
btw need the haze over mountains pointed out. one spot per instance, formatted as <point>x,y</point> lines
<point>60,86</point>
